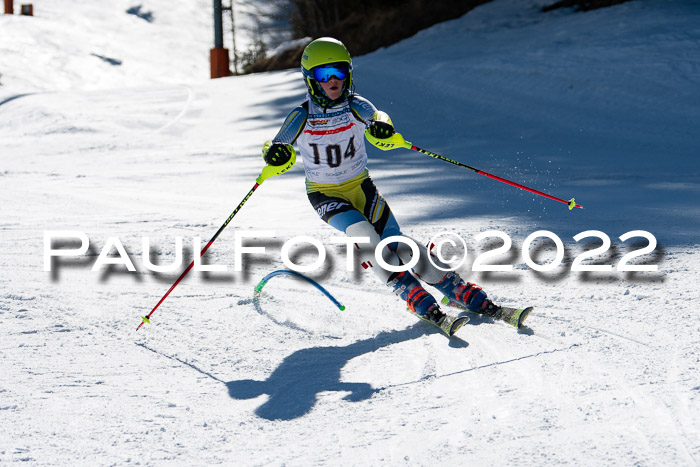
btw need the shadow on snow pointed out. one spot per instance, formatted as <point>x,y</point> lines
<point>294,386</point>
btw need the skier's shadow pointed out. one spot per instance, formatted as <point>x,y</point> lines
<point>294,386</point>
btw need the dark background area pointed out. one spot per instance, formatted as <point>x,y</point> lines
<point>367,25</point>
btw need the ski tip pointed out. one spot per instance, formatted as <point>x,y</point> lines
<point>342,307</point>
<point>458,323</point>
<point>523,316</point>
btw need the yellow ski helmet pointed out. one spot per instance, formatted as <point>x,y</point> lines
<point>323,52</point>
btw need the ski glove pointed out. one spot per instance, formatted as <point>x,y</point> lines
<point>276,154</point>
<point>279,159</point>
<point>380,126</point>
<point>380,133</point>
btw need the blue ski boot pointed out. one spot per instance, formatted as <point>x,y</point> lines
<point>470,297</point>
<point>423,305</point>
<point>418,300</point>
<point>465,295</point>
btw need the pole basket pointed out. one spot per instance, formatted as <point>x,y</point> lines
<point>218,58</point>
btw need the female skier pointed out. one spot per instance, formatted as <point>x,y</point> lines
<point>329,129</point>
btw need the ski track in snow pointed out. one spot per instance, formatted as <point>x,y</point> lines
<point>605,373</point>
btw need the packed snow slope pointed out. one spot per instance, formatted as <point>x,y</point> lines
<point>601,106</point>
<point>83,44</point>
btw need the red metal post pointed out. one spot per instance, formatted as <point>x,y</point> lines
<point>9,7</point>
<point>218,57</point>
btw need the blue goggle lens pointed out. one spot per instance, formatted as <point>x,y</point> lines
<point>324,74</point>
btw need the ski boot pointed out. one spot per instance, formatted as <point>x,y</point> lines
<point>470,297</point>
<point>464,295</point>
<point>422,304</point>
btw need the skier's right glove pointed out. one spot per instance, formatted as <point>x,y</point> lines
<point>277,154</point>
<point>279,159</point>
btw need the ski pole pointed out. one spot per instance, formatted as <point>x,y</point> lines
<point>146,319</point>
<point>396,140</point>
<point>267,172</point>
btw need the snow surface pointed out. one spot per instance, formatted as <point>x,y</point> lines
<point>602,106</point>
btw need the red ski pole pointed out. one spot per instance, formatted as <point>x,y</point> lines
<point>572,203</point>
<point>147,318</point>
<point>396,140</point>
<point>267,172</point>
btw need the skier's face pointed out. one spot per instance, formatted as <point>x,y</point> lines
<point>333,87</point>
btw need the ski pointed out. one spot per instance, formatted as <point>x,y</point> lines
<point>513,316</point>
<point>449,324</point>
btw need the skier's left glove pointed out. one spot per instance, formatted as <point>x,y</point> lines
<point>380,126</point>
<point>381,134</point>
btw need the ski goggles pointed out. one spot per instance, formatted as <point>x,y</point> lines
<point>323,74</point>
